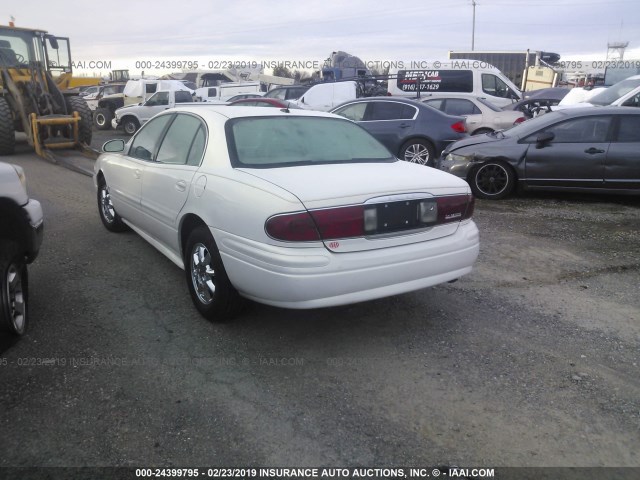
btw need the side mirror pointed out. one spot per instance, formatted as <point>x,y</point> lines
<point>113,146</point>
<point>544,139</point>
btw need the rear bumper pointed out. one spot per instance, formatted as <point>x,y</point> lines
<point>315,277</point>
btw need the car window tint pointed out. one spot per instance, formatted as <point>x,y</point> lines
<point>197,148</point>
<point>354,112</point>
<point>182,96</point>
<point>581,130</point>
<point>145,142</point>
<point>279,141</point>
<point>460,106</point>
<point>390,111</point>
<point>435,103</point>
<point>177,142</point>
<point>633,101</point>
<point>629,129</point>
<point>277,93</point>
<point>492,85</point>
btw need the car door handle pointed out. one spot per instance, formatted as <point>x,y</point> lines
<point>137,173</point>
<point>181,186</point>
<point>404,125</point>
<point>593,150</point>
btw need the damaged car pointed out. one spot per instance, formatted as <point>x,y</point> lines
<point>594,150</point>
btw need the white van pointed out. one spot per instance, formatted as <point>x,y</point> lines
<point>220,93</point>
<point>454,76</point>
<point>325,96</point>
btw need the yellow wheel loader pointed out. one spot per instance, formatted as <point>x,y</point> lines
<point>35,95</point>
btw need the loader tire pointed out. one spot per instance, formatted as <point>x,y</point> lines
<point>102,118</point>
<point>7,135</point>
<point>78,104</point>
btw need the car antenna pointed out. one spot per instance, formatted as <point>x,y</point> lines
<point>285,109</point>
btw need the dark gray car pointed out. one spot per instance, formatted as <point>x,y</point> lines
<point>577,149</point>
<point>412,131</point>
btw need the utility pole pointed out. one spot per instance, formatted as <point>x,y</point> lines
<point>473,28</point>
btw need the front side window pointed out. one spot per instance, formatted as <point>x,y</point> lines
<point>183,96</point>
<point>633,101</point>
<point>268,142</point>
<point>159,98</point>
<point>177,143</point>
<point>145,142</point>
<point>578,130</point>
<point>494,86</point>
<point>278,93</point>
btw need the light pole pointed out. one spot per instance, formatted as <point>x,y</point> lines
<point>473,27</point>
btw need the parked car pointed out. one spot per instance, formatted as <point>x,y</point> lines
<point>538,101</point>
<point>132,117</point>
<point>21,227</point>
<point>579,149</point>
<point>411,130</point>
<point>296,210</point>
<point>263,102</point>
<point>625,93</point>
<point>242,96</point>
<point>291,92</point>
<point>482,116</point>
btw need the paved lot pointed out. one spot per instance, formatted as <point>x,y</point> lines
<point>531,360</point>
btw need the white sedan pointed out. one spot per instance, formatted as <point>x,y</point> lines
<point>295,209</point>
<point>482,116</point>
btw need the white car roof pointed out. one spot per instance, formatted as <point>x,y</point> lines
<point>213,111</point>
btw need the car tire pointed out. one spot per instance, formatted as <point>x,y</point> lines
<point>14,288</point>
<point>211,290</point>
<point>482,131</point>
<point>102,119</point>
<point>130,125</point>
<point>418,151</point>
<point>79,104</point>
<point>110,218</point>
<point>7,135</point>
<point>492,180</point>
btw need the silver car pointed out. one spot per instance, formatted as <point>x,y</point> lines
<point>482,116</point>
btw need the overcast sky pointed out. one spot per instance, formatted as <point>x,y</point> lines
<point>126,31</point>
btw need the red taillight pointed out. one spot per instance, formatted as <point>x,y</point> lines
<point>327,224</point>
<point>369,220</point>
<point>341,222</point>
<point>519,120</point>
<point>459,127</point>
<point>292,227</point>
<point>455,208</point>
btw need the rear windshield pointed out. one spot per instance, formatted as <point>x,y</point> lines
<point>268,142</point>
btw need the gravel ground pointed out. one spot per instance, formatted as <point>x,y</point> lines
<point>532,360</point>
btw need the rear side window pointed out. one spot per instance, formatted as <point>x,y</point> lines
<point>629,129</point>
<point>268,142</point>
<point>390,111</point>
<point>460,106</point>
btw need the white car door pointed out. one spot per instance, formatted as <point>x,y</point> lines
<point>124,173</point>
<point>167,180</point>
